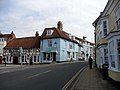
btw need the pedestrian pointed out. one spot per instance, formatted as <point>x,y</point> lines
<point>90,62</point>
<point>71,60</point>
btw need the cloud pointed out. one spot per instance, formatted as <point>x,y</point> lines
<point>24,17</point>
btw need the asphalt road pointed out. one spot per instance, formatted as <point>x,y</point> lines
<point>50,77</point>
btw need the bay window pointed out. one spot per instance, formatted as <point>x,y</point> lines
<point>118,53</point>
<point>111,53</point>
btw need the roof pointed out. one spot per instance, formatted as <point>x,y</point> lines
<point>82,40</point>
<point>8,37</point>
<point>56,34</point>
<point>26,42</point>
<point>5,35</point>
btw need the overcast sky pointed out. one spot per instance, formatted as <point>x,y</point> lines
<point>25,17</point>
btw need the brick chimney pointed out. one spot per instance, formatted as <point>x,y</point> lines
<point>37,34</point>
<point>60,25</point>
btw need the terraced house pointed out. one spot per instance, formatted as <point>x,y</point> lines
<point>4,39</point>
<point>58,45</point>
<point>54,45</point>
<point>24,50</point>
<point>107,38</point>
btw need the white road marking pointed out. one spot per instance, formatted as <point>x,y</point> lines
<point>39,74</point>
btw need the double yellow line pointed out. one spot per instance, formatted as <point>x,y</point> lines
<point>72,79</point>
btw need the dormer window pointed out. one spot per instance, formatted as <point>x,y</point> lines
<point>49,32</point>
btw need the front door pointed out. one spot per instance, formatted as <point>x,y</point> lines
<point>54,56</point>
<point>31,62</point>
<point>15,60</point>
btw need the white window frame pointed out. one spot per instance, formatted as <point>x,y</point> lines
<point>105,55</point>
<point>49,43</point>
<point>118,54</point>
<point>117,18</point>
<point>49,32</point>
<point>105,29</point>
<point>68,54</point>
<point>111,54</point>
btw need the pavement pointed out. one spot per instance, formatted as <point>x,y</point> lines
<point>91,79</point>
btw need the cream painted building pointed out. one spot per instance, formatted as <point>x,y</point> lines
<point>107,38</point>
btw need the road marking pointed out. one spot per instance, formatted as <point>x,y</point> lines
<point>39,74</point>
<point>72,79</point>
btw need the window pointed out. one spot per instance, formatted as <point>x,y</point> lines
<point>68,54</point>
<point>38,58</point>
<point>35,59</point>
<point>65,44</point>
<point>118,48</point>
<point>105,56</point>
<point>100,34</point>
<point>49,32</point>
<point>73,46</point>
<point>22,58</point>
<point>111,52</point>
<point>118,24</point>
<point>25,59</point>
<point>46,56</point>
<point>70,46</point>
<point>104,28</point>
<point>73,55</point>
<point>49,43</point>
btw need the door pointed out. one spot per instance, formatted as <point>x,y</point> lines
<point>0,59</point>
<point>15,60</point>
<point>54,56</point>
<point>31,62</point>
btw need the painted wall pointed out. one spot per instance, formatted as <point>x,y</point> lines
<point>44,48</point>
<point>2,44</point>
<point>62,49</point>
<point>65,48</point>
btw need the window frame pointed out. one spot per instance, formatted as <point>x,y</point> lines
<point>111,54</point>
<point>49,43</point>
<point>105,27</point>
<point>49,32</point>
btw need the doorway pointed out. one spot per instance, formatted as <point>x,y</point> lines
<point>31,62</point>
<point>54,56</point>
<point>15,60</point>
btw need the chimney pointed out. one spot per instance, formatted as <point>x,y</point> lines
<point>60,25</point>
<point>37,34</point>
<point>84,37</point>
<point>12,35</point>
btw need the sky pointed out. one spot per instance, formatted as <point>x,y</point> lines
<point>25,17</point>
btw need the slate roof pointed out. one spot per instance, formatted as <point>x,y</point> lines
<point>26,42</point>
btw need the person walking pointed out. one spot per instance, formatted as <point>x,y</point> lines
<point>90,62</point>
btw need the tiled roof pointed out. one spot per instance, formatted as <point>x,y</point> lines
<point>8,37</point>
<point>5,35</point>
<point>26,42</point>
<point>56,34</point>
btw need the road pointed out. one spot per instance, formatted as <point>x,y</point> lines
<point>49,77</point>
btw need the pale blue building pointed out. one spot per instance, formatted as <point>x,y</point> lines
<point>58,46</point>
